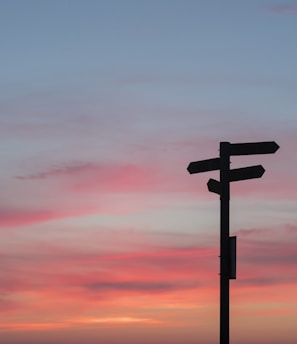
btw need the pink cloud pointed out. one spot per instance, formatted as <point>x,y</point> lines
<point>157,270</point>
<point>86,188</point>
<point>14,217</point>
<point>103,177</point>
<point>105,173</point>
<point>76,190</point>
<point>169,174</point>
<point>57,279</point>
<point>153,269</point>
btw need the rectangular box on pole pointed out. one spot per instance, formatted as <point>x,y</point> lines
<point>232,248</point>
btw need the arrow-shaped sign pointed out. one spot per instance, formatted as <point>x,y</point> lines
<point>214,186</point>
<point>246,173</point>
<point>235,175</point>
<point>268,147</point>
<point>204,165</point>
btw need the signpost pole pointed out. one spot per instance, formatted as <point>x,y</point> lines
<point>222,188</point>
<point>224,242</point>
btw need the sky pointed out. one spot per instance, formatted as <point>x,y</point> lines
<point>104,235</point>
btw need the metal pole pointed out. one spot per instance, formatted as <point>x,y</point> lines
<point>224,242</point>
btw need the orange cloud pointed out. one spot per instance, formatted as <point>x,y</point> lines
<point>116,320</point>
<point>154,285</point>
<point>76,322</point>
<point>26,326</point>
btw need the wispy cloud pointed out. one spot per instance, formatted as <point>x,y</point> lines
<point>60,171</point>
<point>284,9</point>
<point>32,326</point>
<point>140,286</point>
<point>23,216</point>
<point>112,177</point>
<point>58,277</point>
<point>77,189</point>
<point>154,268</point>
<point>77,323</point>
<point>116,320</point>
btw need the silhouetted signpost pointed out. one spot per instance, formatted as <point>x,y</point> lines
<point>222,187</point>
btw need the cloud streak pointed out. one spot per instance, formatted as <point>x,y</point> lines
<point>139,286</point>
<point>284,9</point>
<point>104,176</point>
<point>50,278</point>
<point>61,171</point>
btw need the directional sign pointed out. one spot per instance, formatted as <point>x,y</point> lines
<point>268,147</point>
<point>246,173</point>
<point>204,165</point>
<point>237,174</point>
<point>214,186</point>
<point>222,187</point>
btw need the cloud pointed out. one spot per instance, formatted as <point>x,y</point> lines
<point>76,322</point>
<point>23,216</point>
<point>29,326</point>
<point>139,263</point>
<point>103,177</point>
<point>85,277</point>
<point>153,269</point>
<point>16,217</point>
<point>140,286</point>
<point>284,9</point>
<point>61,171</point>
<point>277,254</point>
<point>78,189</point>
<point>116,320</point>
<point>56,280</point>
<point>160,170</point>
<point>157,270</point>
<point>290,229</point>
<point>75,189</point>
<point>109,172</point>
<point>265,281</point>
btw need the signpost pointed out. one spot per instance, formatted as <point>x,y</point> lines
<point>222,187</point>
<point>204,165</point>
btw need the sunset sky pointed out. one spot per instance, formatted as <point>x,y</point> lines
<point>104,236</point>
